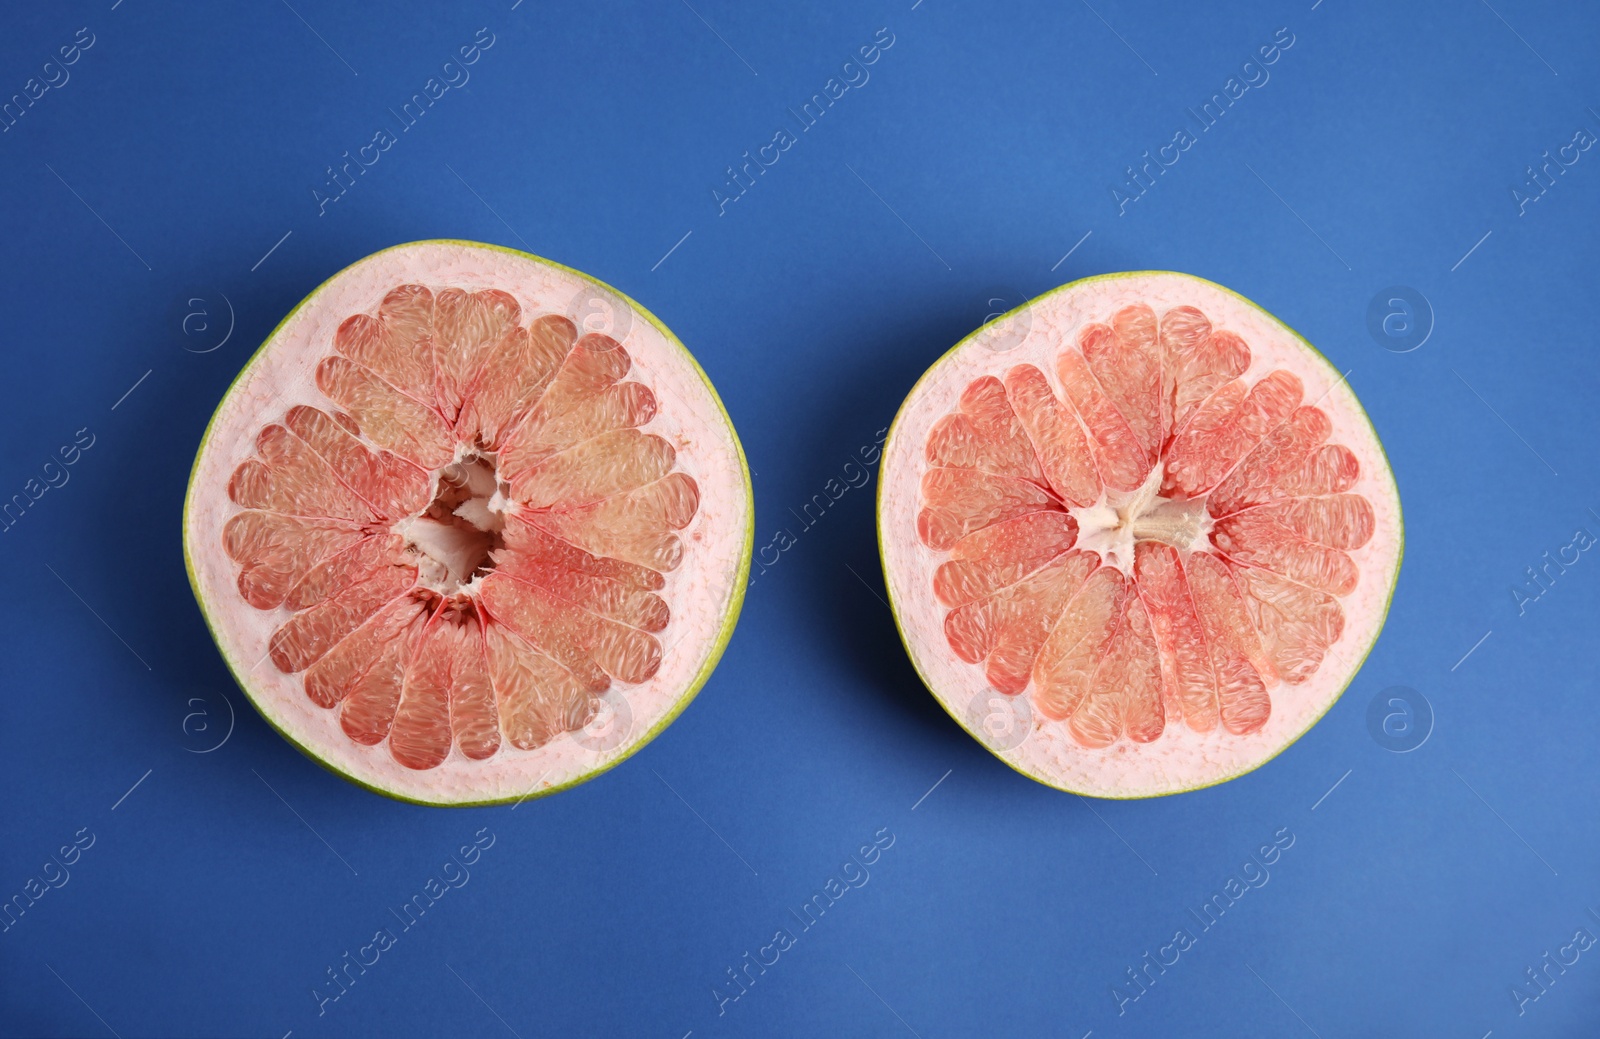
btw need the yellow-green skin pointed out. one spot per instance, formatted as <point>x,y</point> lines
<point>723,635</point>
<point>883,534</point>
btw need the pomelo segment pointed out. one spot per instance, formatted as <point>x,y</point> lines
<point>1158,534</point>
<point>437,526</point>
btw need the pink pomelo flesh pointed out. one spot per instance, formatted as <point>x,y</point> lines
<point>1162,523</point>
<point>437,526</point>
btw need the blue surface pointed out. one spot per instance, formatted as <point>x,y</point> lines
<point>143,197</point>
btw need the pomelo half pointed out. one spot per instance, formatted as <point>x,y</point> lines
<point>455,544</point>
<point>1138,535</point>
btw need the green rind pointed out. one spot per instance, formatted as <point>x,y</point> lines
<point>730,620</point>
<point>894,606</point>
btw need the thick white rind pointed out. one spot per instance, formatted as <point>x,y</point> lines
<point>1180,759</point>
<point>704,592</point>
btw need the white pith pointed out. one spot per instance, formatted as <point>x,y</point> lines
<point>1180,758</point>
<point>449,553</point>
<point>703,593</point>
<point>1115,523</point>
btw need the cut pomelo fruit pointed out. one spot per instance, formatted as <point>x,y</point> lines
<point>1143,547</point>
<point>455,545</point>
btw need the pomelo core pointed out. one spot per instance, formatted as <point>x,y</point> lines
<point>456,543</point>
<point>1138,535</point>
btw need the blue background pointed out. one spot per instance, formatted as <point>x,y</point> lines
<point>142,201</point>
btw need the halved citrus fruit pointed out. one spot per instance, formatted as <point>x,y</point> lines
<point>1138,535</point>
<point>441,528</point>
